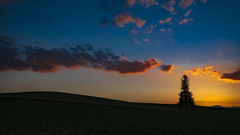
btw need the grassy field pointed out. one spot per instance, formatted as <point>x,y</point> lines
<point>23,115</point>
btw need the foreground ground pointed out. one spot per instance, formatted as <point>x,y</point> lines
<point>25,116</point>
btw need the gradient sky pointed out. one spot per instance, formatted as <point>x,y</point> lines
<point>131,50</point>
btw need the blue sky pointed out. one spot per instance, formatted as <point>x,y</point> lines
<point>168,38</point>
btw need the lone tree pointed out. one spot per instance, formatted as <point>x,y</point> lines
<point>186,98</point>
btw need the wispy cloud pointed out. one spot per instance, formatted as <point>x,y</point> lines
<point>121,19</point>
<point>149,3</point>
<point>136,42</point>
<point>129,2</point>
<point>203,1</point>
<point>148,30</point>
<point>184,21</point>
<point>185,3</point>
<point>153,26</point>
<point>187,13</point>
<point>134,31</point>
<point>164,21</point>
<point>146,40</point>
<point>169,6</point>
<point>162,30</point>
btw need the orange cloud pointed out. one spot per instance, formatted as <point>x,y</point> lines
<point>187,13</point>
<point>203,1</point>
<point>167,20</point>
<point>121,19</point>
<point>153,26</point>
<point>183,21</point>
<point>149,3</point>
<point>161,30</point>
<point>185,3</point>
<point>169,6</point>
<point>209,71</point>
<point>129,2</point>
<point>146,40</point>
<point>136,41</point>
<point>134,31</point>
<point>203,71</point>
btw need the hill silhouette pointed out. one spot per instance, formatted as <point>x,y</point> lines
<point>64,113</point>
<point>75,98</point>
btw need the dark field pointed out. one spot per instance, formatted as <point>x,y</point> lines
<point>44,117</point>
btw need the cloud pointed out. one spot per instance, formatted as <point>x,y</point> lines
<point>169,6</point>
<point>185,3</point>
<point>209,71</point>
<point>18,57</point>
<point>9,55</point>
<point>121,19</point>
<point>125,67</point>
<point>136,42</point>
<point>167,68</point>
<point>203,1</point>
<point>153,26</point>
<point>134,31</point>
<point>146,40</point>
<point>8,3</point>
<point>231,77</point>
<point>187,13</point>
<point>129,2</point>
<point>161,30</point>
<point>149,3</point>
<point>184,21</point>
<point>147,30</point>
<point>14,56</point>
<point>167,20</point>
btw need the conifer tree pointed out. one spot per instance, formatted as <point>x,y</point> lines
<point>186,98</point>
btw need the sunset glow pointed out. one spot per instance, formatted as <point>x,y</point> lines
<point>131,50</point>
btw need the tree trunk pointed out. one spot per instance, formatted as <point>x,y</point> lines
<point>185,106</point>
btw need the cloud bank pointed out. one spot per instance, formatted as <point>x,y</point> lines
<point>209,71</point>
<point>14,56</point>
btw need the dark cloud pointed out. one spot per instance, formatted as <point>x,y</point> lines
<point>167,68</point>
<point>124,66</point>
<point>10,55</point>
<point>14,56</point>
<point>235,76</point>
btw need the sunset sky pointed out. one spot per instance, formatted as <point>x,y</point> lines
<point>131,50</point>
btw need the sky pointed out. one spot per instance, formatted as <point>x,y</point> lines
<point>131,50</point>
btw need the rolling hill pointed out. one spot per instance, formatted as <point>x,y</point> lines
<point>62,113</point>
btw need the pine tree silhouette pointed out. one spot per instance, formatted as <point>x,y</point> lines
<point>186,98</point>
